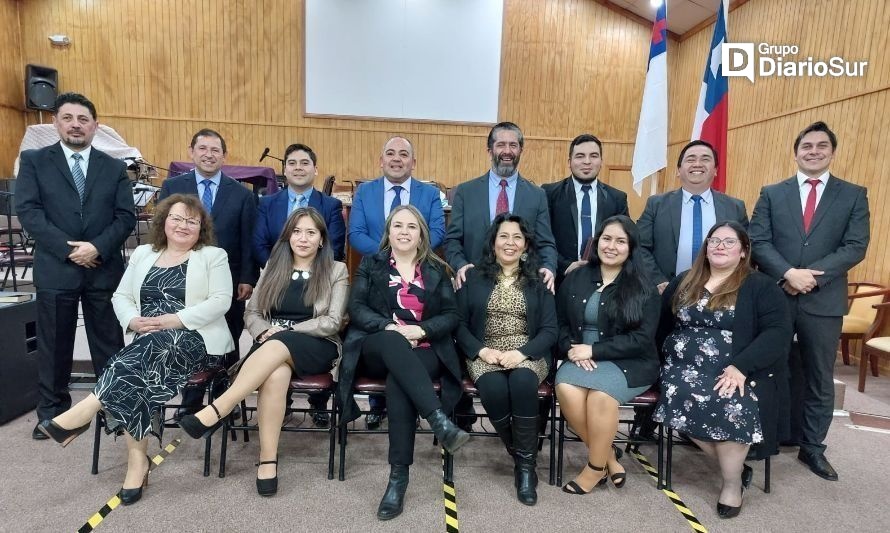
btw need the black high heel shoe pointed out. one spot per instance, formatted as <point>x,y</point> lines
<point>269,486</point>
<point>574,488</point>
<point>131,496</point>
<point>196,429</point>
<point>59,434</point>
<point>621,477</point>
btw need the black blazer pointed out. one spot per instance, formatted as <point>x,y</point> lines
<point>761,339</point>
<point>836,242</point>
<point>631,349</point>
<point>370,312</point>
<point>472,303</point>
<point>49,209</point>
<point>659,227</point>
<point>564,216</point>
<point>234,216</point>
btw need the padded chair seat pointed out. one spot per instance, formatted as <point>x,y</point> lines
<point>855,324</point>
<point>314,382</point>
<point>879,343</point>
<point>378,386</point>
<point>201,378</point>
<point>651,396</point>
<point>544,389</point>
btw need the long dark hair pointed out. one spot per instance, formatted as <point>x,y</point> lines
<point>724,295</point>
<point>528,269</point>
<point>277,276</point>
<point>634,287</point>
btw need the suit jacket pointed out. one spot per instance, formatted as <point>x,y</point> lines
<point>564,216</point>
<point>470,220</point>
<point>472,303</point>
<point>234,215</point>
<point>659,227</point>
<point>208,294</point>
<point>49,209</point>
<point>632,349</point>
<point>272,215</point>
<point>366,216</point>
<point>328,315</point>
<point>761,338</point>
<point>370,312</point>
<point>836,242</point>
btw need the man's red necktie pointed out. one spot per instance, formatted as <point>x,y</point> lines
<point>503,205</point>
<point>810,208</point>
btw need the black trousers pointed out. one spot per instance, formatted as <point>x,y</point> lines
<point>811,366</point>
<point>509,392</point>
<point>409,374</point>
<point>56,328</point>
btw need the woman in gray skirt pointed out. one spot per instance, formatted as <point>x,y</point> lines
<point>608,315</point>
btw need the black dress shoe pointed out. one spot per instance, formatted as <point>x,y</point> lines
<point>393,501</point>
<point>196,429</point>
<point>268,486</point>
<point>818,464</point>
<point>58,433</point>
<point>747,476</point>
<point>37,434</point>
<point>373,420</point>
<point>131,496</point>
<point>728,511</point>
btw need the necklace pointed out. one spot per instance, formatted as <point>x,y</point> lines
<point>305,274</point>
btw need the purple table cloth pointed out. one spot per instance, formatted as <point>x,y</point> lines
<point>254,175</point>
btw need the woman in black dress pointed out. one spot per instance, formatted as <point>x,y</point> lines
<point>173,296</point>
<point>295,317</point>
<point>726,331</point>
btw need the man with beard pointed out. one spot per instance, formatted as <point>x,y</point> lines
<point>579,203</point>
<point>77,203</point>
<point>501,189</point>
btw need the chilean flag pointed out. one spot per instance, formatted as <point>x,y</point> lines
<point>712,113</point>
<point>650,150</point>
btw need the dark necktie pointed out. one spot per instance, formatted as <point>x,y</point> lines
<point>80,181</point>
<point>696,226</point>
<point>397,199</point>
<point>207,197</point>
<point>503,204</point>
<point>810,208</point>
<point>586,218</point>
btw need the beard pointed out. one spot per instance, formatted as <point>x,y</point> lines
<point>75,141</point>
<point>503,169</point>
<point>584,181</point>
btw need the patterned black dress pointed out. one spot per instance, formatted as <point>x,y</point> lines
<point>151,370</point>
<point>696,352</point>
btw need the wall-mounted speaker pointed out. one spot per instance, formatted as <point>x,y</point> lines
<point>41,87</point>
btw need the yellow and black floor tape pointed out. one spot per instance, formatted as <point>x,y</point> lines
<point>672,496</point>
<point>112,504</point>
<point>449,497</point>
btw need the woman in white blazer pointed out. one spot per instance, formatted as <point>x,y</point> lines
<point>295,317</point>
<point>173,297</point>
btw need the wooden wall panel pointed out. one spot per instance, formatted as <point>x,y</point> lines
<point>12,99</point>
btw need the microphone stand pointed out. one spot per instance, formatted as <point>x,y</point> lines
<point>266,154</point>
<point>7,197</point>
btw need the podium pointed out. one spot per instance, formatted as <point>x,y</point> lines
<point>18,359</point>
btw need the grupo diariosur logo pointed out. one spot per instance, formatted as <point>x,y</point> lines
<point>783,61</point>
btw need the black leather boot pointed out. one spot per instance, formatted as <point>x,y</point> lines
<point>505,431</point>
<point>449,435</point>
<point>393,500</point>
<point>525,438</point>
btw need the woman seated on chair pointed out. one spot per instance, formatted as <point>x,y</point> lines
<point>507,329</point>
<point>608,316</point>
<point>295,317</point>
<point>402,315</point>
<point>173,296</point>
<point>726,332</point>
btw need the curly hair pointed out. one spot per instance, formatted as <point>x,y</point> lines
<point>158,237</point>
<point>528,268</point>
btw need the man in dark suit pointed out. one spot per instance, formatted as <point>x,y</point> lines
<point>300,172</point>
<point>580,203</point>
<point>77,203</point>
<point>371,205</point>
<point>233,210</point>
<point>674,225</point>
<point>807,232</point>
<point>501,189</point>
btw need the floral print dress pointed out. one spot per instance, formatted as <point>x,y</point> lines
<point>695,353</point>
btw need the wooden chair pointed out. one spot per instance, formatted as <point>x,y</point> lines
<point>874,347</point>
<point>863,319</point>
<point>328,187</point>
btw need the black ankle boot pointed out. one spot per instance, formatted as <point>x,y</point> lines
<point>393,500</point>
<point>525,438</point>
<point>449,435</point>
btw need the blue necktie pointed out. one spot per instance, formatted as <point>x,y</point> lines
<point>299,201</point>
<point>207,197</point>
<point>696,226</point>
<point>586,222</point>
<point>397,199</point>
<point>80,181</point>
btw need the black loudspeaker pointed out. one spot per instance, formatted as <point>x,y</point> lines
<point>41,87</point>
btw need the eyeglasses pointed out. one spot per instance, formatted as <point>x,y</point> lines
<point>728,243</point>
<point>192,223</point>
